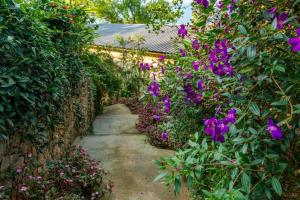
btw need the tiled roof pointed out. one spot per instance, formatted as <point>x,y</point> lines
<point>162,42</point>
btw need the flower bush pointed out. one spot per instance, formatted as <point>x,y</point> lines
<point>235,83</point>
<point>75,174</point>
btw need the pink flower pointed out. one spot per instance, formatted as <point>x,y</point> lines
<point>24,188</point>
<point>19,170</point>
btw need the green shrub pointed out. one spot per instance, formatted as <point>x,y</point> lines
<point>235,82</point>
<point>74,175</point>
<point>40,65</point>
<point>105,75</point>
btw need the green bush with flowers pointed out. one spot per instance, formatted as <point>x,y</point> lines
<point>75,174</point>
<point>232,93</point>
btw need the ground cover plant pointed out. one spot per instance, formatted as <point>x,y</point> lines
<point>75,176</point>
<point>232,94</point>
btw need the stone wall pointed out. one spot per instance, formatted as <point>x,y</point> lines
<point>76,121</point>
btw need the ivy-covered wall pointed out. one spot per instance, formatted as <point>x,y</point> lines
<point>76,121</point>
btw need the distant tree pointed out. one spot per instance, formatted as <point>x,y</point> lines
<point>138,11</point>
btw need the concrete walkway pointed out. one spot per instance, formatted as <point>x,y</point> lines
<point>127,156</point>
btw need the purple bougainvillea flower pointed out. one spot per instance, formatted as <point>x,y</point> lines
<point>281,20</point>
<point>200,85</point>
<point>274,130</point>
<point>165,136</point>
<point>295,42</point>
<point>196,45</point>
<point>182,32</point>
<point>162,58</point>
<point>182,52</point>
<point>272,10</point>
<point>156,117</point>
<point>196,65</point>
<point>203,2</point>
<point>154,89</point>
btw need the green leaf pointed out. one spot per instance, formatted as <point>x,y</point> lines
<point>252,130</point>
<point>246,182</point>
<point>196,136</point>
<point>242,29</point>
<point>189,181</point>
<point>160,176</point>
<point>254,108</point>
<point>282,102</point>
<point>251,51</point>
<point>276,185</point>
<point>240,196</point>
<point>177,184</point>
<point>279,68</point>
<point>274,24</point>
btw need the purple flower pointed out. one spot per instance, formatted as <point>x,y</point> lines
<point>216,129</point>
<point>165,136</point>
<point>281,20</point>
<point>220,4</point>
<point>162,70</point>
<point>145,66</point>
<point>182,32</point>
<point>197,99</point>
<point>230,118</point>
<point>295,42</point>
<point>178,69</point>
<point>231,6</point>
<point>167,103</point>
<point>162,58</point>
<point>156,118</point>
<point>272,10</point>
<point>154,89</point>
<point>196,45</point>
<point>196,65</point>
<point>182,52</point>
<point>220,59</point>
<point>200,85</point>
<point>203,2</point>
<point>154,75</point>
<point>191,95</point>
<point>274,130</point>
<point>188,75</point>
<point>148,67</point>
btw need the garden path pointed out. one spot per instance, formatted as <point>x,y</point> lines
<point>127,156</point>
